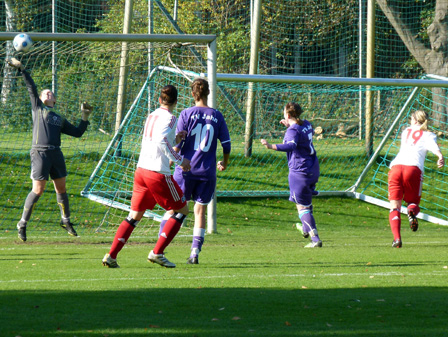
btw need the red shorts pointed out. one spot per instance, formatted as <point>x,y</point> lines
<point>405,183</point>
<point>151,188</point>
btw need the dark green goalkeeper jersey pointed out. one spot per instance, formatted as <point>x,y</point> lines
<point>48,125</point>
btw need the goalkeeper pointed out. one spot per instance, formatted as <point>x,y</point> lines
<point>47,159</point>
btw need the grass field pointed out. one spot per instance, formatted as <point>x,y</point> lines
<point>254,279</point>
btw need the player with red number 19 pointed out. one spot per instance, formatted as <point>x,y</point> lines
<point>406,172</point>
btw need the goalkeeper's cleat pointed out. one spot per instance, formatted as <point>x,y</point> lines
<point>314,244</point>
<point>160,259</point>
<point>397,243</point>
<point>413,222</point>
<point>110,262</point>
<point>69,228</point>
<point>300,229</point>
<point>21,232</point>
<point>193,260</point>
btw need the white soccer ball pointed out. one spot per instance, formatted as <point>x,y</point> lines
<point>22,42</point>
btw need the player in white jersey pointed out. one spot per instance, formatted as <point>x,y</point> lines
<point>153,182</point>
<point>406,172</point>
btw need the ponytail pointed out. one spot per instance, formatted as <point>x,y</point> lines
<point>422,118</point>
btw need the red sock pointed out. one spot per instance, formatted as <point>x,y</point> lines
<point>124,231</point>
<point>395,223</point>
<point>170,230</point>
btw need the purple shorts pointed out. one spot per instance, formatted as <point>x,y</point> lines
<point>301,187</point>
<point>200,191</point>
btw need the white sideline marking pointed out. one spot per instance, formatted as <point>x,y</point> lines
<point>434,273</point>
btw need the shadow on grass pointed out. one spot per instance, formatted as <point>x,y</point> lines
<point>225,312</point>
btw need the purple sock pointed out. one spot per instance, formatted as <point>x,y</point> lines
<point>309,224</point>
<point>198,241</point>
<point>162,224</point>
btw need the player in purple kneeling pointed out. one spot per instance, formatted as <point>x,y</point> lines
<point>303,168</point>
<point>204,126</point>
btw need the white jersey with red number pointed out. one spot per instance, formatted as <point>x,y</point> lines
<point>415,143</point>
<point>158,141</point>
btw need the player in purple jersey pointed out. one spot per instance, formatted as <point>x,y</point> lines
<point>303,168</point>
<point>204,126</point>
<point>47,160</point>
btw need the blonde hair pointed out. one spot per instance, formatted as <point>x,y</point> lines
<point>422,118</point>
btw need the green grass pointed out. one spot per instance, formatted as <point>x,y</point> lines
<point>254,279</point>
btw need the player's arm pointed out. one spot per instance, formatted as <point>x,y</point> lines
<point>222,164</point>
<point>268,145</point>
<point>289,142</point>
<point>286,147</point>
<point>30,85</point>
<point>168,149</point>
<point>224,138</point>
<point>434,148</point>
<point>78,131</point>
<point>441,160</point>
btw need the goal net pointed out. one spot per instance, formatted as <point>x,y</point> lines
<point>349,167</point>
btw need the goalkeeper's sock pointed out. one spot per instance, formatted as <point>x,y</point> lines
<point>124,231</point>
<point>395,223</point>
<point>309,224</point>
<point>170,230</point>
<point>28,207</point>
<point>62,199</point>
<point>198,241</point>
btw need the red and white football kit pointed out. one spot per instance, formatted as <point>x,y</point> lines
<point>406,174</point>
<point>153,182</point>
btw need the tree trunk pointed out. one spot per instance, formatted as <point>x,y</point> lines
<point>8,71</point>
<point>433,60</point>
<point>438,61</point>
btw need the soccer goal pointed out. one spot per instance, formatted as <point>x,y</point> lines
<point>115,73</point>
<point>349,167</point>
<point>358,124</point>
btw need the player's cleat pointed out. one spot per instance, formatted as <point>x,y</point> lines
<point>193,260</point>
<point>110,262</point>
<point>300,229</point>
<point>69,228</point>
<point>413,222</point>
<point>160,259</point>
<point>21,233</point>
<point>314,244</point>
<point>397,243</point>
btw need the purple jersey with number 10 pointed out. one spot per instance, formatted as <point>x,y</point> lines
<point>204,127</point>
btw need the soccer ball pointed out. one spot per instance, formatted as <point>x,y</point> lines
<point>22,42</point>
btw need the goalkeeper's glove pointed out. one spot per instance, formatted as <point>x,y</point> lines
<point>86,110</point>
<point>13,62</point>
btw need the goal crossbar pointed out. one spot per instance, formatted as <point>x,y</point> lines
<point>437,82</point>
<point>181,38</point>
